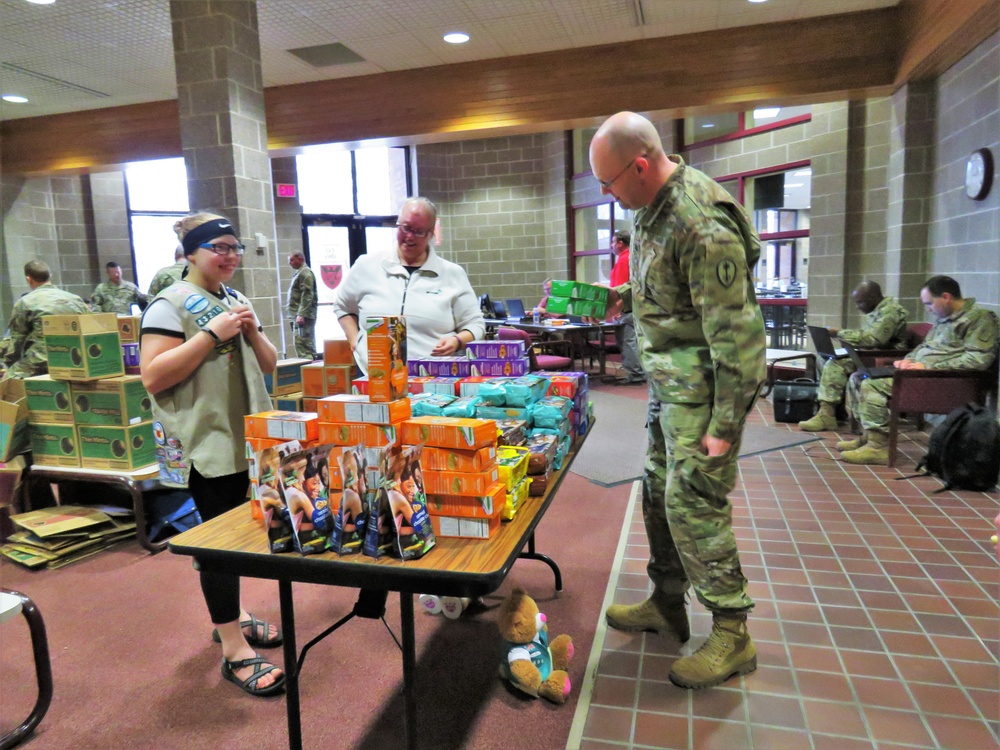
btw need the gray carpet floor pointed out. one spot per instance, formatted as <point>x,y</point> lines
<point>616,449</point>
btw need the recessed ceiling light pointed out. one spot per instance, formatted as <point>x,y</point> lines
<point>14,98</point>
<point>758,1</point>
<point>766,113</point>
<point>456,37</point>
<point>802,173</point>
<point>42,2</point>
<point>708,124</point>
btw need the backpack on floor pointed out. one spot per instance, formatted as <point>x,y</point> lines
<point>964,450</point>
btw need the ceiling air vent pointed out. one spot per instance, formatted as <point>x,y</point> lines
<point>327,55</point>
<point>49,82</point>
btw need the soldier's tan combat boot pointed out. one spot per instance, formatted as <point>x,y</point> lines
<point>660,613</point>
<point>728,651</point>
<point>825,419</point>
<point>875,451</point>
<point>852,445</point>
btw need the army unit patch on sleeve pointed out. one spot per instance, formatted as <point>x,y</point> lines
<point>726,271</point>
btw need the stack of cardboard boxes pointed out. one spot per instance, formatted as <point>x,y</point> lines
<point>87,412</point>
<point>330,377</point>
<point>577,298</point>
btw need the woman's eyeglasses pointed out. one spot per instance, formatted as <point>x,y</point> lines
<point>223,248</point>
<point>418,233</point>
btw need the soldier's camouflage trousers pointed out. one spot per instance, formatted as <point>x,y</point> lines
<point>305,339</point>
<point>868,400</point>
<point>687,514</point>
<point>833,380</point>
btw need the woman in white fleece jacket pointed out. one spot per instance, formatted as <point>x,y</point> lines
<point>442,311</point>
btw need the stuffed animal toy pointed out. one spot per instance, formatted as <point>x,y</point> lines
<point>529,661</point>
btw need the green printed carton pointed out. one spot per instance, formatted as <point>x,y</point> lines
<point>578,290</point>
<point>83,347</point>
<point>112,401</point>
<point>589,308</point>
<point>49,400</point>
<point>123,448</point>
<point>54,444</point>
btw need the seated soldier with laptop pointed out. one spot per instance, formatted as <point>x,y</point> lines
<point>964,337</point>
<point>883,326</point>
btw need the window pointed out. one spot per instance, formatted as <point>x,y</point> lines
<point>157,196</point>
<point>703,130</point>
<point>350,201</point>
<point>779,204</point>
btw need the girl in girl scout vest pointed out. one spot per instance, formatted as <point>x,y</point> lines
<point>203,356</point>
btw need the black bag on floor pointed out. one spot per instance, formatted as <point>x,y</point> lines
<point>795,400</point>
<point>964,450</point>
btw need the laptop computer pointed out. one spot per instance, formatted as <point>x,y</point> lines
<point>515,309</point>
<point>498,310</point>
<point>823,342</point>
<point>865,370</point>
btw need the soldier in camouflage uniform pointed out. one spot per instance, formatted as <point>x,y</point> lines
<point>302,306</point>
<point>965,337</point>
<point>116,295</point>
<point>167,276</point>
<point>883,327</point>
<point>701,343</point>
<point>24,350</point>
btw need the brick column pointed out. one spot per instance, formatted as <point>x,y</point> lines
<point>220,95</point>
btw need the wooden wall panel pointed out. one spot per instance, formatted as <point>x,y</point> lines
<point>796,62</point>
<point>935,34</point>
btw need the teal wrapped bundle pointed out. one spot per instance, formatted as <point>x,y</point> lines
<point>431,406</point>
<point>551,411</point>
<point>526,390</point>
<point>492,393</point>
<point>462,407</point>
<point>565,443</point>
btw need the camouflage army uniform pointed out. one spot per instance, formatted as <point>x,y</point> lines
<point>165,277</point>
<point>882,328</point>
<point>966,340</point>
<point>25,353</point>
<point>302,301</point>
<point>701,343</point>
<point>115,298</point>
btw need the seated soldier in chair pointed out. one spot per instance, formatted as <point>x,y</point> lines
<point>963,338</point>
<point>884,326</point>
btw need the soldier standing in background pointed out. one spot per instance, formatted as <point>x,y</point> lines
<point>167,276</point>
<point>24,350</point>
<point>883,327</point>
<point>302,306</point>
<point>701,343</point>
<point>116,295</point>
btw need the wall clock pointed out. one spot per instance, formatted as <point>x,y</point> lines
<point>979,174</point>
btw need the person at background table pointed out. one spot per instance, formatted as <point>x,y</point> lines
<point>203,354</point>
<point>882,327</point>
<point>628,343</point>
<point>24,352</point>
<point>965,337</point>
<point>302,306</point>
<point>168,275</point>
<point>442,312</point>
<point>116,295</point>
<point>701,341</point>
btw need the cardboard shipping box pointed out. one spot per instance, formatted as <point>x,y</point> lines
<point>111,401</point>
<point>49,400</point>
<point>55,444</point>
<point>286,377</point>
<point>128,328</point>
<point>83,347</point>
<point>13,419</point>
<point>125,447</point>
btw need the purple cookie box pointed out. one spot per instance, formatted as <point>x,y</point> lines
<point>477,350</point>
<point>500,367</point>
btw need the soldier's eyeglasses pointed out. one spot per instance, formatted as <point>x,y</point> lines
<point>608,183</point>
<point>418,233</point>
<point>224,248</point>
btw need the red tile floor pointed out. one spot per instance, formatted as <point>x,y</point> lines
<point>876,618</point>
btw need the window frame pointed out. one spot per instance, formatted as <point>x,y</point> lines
<point>741,132</point>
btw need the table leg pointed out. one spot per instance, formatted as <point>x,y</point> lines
<point>532,555</point>
<point>290,669</point>
<point>139,511</point>
<point>409,670</point>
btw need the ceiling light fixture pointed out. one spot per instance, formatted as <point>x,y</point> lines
<point>41,2</point>
<point>708,124</point>
<point>758,1</point>
<point>802,173</point>
<point>14,98</point>
<point>793,184</point>
<point>456,37</point>
<point>766,114</point>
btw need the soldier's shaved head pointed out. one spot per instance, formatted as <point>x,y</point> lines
<point>627,135</point>
<point>38,271</point>
<point>867,296</point>
<point>627,158</point>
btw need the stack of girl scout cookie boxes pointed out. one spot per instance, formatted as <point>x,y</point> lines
<point>87,412</point>
<point>577,298</point>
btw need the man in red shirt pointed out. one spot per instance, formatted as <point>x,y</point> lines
<point>628,344</point>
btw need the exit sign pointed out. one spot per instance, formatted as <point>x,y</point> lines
<point>285,191</point>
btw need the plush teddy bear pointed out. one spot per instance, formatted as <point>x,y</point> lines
<point>529,661</point>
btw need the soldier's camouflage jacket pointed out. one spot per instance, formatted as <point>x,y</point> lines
<point>24,350</point>
<point>966,340</point>
<point>882,328</point>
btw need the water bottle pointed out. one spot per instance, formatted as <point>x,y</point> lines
<point>536,316</point>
